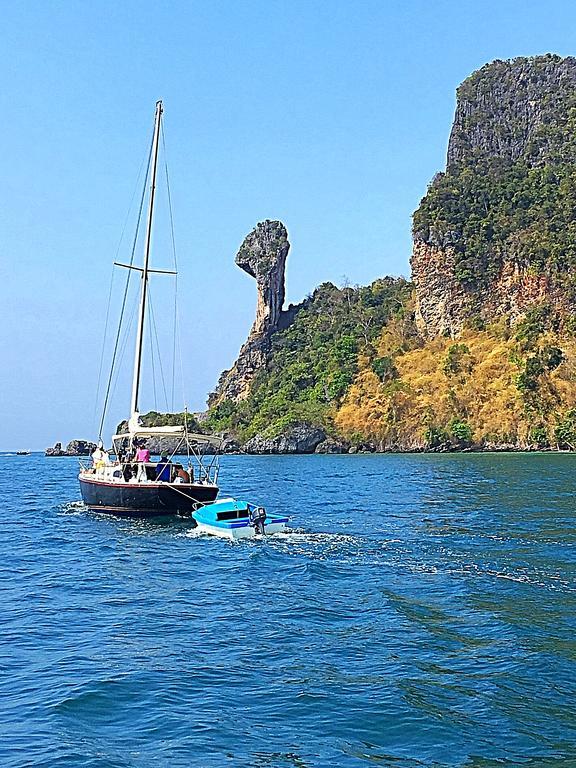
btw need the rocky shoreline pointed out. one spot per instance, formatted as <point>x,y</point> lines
<point>306,439</point>
<point>289,446</point>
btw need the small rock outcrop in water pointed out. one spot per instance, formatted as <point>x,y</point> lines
<point>263,256</point>
<point>80,448</point>
<point>74,448</point>
<point>57,450</point>
<point>299,438</point>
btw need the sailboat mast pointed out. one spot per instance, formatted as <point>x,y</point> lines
<point>142,312</point>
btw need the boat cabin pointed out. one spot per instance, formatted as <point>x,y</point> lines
<point>200,466</point>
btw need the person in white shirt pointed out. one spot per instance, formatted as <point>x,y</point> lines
<point>100,456</point>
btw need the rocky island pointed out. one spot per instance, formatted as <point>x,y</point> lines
<point>478,350</point>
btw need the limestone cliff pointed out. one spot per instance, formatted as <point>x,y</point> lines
<point>506,107</point>
<point>445,305</point>
<point>263,256</point>
<point>493,264</point>
<point>495,233</point>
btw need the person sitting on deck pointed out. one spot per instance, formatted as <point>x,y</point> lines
<point>181,475</point>
<point>133,476</point>
<point>164,469</point>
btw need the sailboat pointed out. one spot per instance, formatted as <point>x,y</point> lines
<point>124,481</point>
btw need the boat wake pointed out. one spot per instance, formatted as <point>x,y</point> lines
<point>72,508</point>
<point>290,536</point>
<point>196,533</point>
<point>297,542</point>
<point>300,535</point>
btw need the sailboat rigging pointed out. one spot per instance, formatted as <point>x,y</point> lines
<point>130,483</point>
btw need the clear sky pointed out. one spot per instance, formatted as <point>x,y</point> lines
<point>331,116</point>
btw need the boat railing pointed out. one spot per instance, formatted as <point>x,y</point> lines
<point>149,470</point>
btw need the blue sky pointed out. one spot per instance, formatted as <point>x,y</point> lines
<point>331,116</point>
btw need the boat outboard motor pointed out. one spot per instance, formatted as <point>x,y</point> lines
<point>257,517</point>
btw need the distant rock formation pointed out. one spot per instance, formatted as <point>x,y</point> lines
<point>80,448</point>
<point>493,265</point>
<point>57,450</point>
<point>504,109</point>
<point>74,448</point>
<point>263,256</point>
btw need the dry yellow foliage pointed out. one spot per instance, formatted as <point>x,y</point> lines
<point>482,391</point>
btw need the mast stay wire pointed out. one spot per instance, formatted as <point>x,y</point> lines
<point>154,328</point>
<point>152,351</point>
<point>127,334</point>
<point>176,339</point>
<point>121,240</point>
<point>103,347</point>
<point>134,243</point>
<point>182,380</point>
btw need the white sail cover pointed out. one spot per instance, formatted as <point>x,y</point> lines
<point>175,433</point>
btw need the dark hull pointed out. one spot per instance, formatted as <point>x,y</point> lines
<point>146,500</point>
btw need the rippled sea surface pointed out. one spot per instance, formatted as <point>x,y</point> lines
<point>421,612</point>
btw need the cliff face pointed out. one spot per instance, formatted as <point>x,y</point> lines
<point>505,109</point>
<point>495,233</point>
<point>263,256</point>
<point>444,305</point>
<point>494,264</point>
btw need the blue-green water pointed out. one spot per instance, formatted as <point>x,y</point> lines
<point>421,613</point>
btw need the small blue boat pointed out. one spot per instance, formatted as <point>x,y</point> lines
<point>235,519</point>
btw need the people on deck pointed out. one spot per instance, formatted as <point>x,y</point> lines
<point>164,469</point>
<point>182,476</point>
<point>100,456</point>
<point>133,476</point>
<point>142,454</point>
<point>141,457</point>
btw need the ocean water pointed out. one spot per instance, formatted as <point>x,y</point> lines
<point>420,612</point>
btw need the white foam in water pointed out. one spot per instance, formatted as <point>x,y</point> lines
<point>299,536</point>
<point>72,508</point>
<point>296,537</point>
<point>194,533</point>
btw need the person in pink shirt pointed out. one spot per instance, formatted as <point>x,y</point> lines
<point>142,457</point>
<point>142,454</point>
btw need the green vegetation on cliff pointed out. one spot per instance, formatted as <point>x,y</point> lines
<point>509,190</point>
<point>500,386</point>
<point>313,362</point>
<point>157,419</point>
